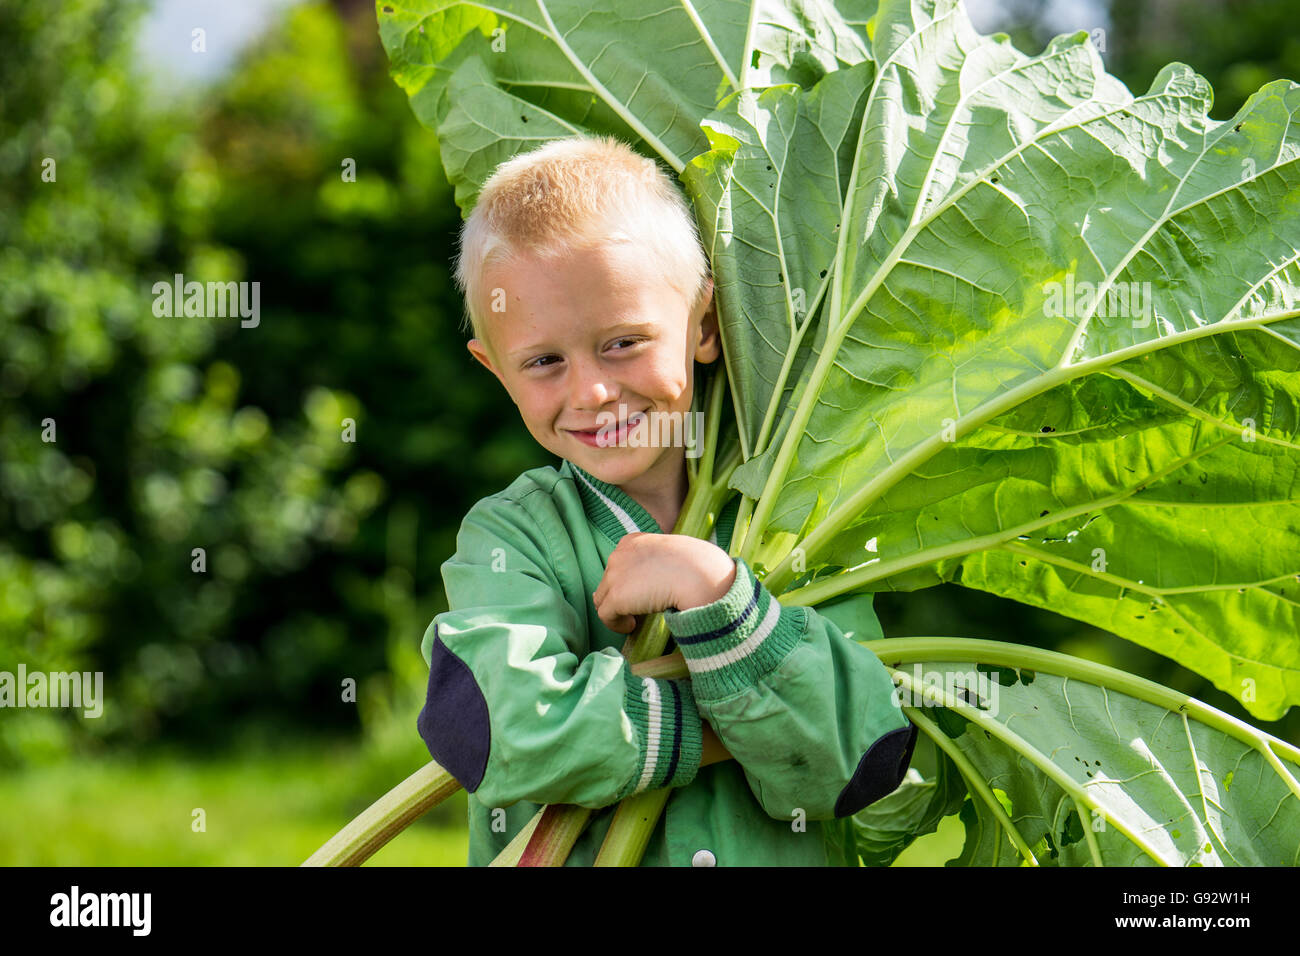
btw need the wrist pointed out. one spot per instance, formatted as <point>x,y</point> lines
<point>736,641</point>
<point>710,581</point>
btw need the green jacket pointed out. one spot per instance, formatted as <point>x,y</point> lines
<point>530,701</point>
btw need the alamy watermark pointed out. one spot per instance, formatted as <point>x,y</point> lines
<point>212,300</point>
<point>56,689</point>
<point>130,910</point>
<point>654,429</point>
<point>1077,300</point>
<point>930,688</point>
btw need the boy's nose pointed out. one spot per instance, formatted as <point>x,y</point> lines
<point>593,389</point>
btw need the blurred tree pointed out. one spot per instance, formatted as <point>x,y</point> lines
<point>176,433</point>
<point>1238,45</point>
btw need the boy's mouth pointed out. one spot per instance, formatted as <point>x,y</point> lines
<point>597,438</point>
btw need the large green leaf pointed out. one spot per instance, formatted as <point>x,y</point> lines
<point>1082,523</point>
<point>960,398</point>
<point>1093,766</point>
<point>648,73</point>
<point>762,199</point>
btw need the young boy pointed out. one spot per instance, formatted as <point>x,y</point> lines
<point>589,294</point>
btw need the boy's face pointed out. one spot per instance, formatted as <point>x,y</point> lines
<point>589,331</point>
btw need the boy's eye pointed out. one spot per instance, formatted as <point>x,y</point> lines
<point>540,361</point>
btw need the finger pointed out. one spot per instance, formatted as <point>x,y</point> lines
<point>616,620</point>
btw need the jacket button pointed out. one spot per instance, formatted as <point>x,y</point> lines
<point>703,858</point>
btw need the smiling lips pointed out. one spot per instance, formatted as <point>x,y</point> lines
<point>591,436</point>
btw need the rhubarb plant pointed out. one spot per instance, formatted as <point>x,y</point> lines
<point>1071,763</point>
<point>987,318</point>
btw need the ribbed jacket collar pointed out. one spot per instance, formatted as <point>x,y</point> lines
<point>609,507</point>
<point>616,513</point>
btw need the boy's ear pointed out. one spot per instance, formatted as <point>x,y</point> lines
<point>710,343</point>
<point>478,349</point>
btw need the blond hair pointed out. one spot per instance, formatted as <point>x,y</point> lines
<point>571,193</point>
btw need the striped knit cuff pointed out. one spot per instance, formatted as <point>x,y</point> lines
<point>672,734</point>
<point>738,639</point>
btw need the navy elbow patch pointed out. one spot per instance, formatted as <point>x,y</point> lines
<point>880,771</point>
<point>454,721</point>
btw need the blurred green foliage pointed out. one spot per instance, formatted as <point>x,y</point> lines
<point>1238,45</point>
<point>171,434</point>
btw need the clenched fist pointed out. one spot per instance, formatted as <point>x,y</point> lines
<point>647,573</point>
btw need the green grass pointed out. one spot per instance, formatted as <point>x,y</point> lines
<point>267,808</point>
<point>272,809</point>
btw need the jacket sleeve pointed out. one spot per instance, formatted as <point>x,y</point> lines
<point>808,713</point>
<point>516,709</point>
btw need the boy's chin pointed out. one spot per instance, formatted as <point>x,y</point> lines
<point>616,466</point>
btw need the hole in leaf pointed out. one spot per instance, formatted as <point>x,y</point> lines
<point>1005,676</point>
<point>1051,846</point>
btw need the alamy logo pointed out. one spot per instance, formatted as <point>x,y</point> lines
<point>102,909</point>
<point>924,688</point>
<point>661,430</point>
<point>56,689</point>
<point>1077,300</point>
<point>213,300</point>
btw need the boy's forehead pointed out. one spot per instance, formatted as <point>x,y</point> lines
<point>586,280</point>
<point>626,261</point>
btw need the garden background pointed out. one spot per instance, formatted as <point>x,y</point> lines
<point>226,156</point>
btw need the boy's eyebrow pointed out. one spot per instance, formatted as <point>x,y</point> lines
<point>620,327</point>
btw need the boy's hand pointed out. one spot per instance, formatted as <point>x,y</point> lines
<point>647,573</point>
